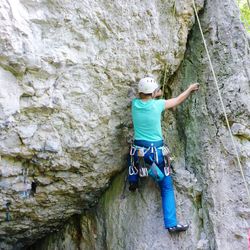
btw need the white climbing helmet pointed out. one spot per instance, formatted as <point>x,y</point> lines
<point>147,85</point>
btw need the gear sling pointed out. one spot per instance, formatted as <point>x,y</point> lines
<point>153,159</point>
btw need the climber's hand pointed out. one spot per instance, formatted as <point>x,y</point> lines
<point>194,87</point>
<point>173,102</point>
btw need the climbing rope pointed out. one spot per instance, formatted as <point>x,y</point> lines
<point>222,104</point>
<point>164,80</point>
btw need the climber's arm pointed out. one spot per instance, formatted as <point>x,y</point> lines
<point>173,102</point>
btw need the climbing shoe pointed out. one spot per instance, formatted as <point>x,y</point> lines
<point>178,228</point>
<point>133,186</point>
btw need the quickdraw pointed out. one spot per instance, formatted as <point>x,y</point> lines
<point>166,154</point>
<point>143,171</point>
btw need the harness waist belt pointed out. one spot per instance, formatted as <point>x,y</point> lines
<point>147,144</point>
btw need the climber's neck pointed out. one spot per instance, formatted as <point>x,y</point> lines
<point>145,97</point>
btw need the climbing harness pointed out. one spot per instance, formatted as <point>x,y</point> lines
<point>144,169</point>
<point>222,104</point>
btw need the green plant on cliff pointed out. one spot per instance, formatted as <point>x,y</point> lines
<point>245,13</point>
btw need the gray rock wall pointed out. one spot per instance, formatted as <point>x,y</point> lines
<point>202,127</point>
<point>131,222</point>
<point>68,71</point>
<point>67,112</point>
<point>210,193</point>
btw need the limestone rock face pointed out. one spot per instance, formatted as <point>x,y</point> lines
<point>210,192</point>
<point>68,71</point>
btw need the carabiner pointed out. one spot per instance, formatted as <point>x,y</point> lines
<point>132,150</point>
<point>132,170</point>
<point>166,171</point>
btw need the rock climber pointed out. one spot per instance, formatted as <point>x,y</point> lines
<point>147,151</point>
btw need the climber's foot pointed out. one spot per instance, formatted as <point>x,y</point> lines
<point>178,228</point>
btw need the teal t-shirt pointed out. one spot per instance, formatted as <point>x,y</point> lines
<point>146,116</point>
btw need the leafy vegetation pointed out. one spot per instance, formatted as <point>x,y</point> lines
<point>244,6</point>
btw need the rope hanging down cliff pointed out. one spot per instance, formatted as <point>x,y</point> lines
<point>222,104</point>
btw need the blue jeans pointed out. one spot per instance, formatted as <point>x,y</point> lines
<point>166,185</point>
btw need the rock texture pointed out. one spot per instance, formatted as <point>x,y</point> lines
<point>68,72</point>
<point>210,192</point>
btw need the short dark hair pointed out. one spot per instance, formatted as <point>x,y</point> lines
<point>142,95</point>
